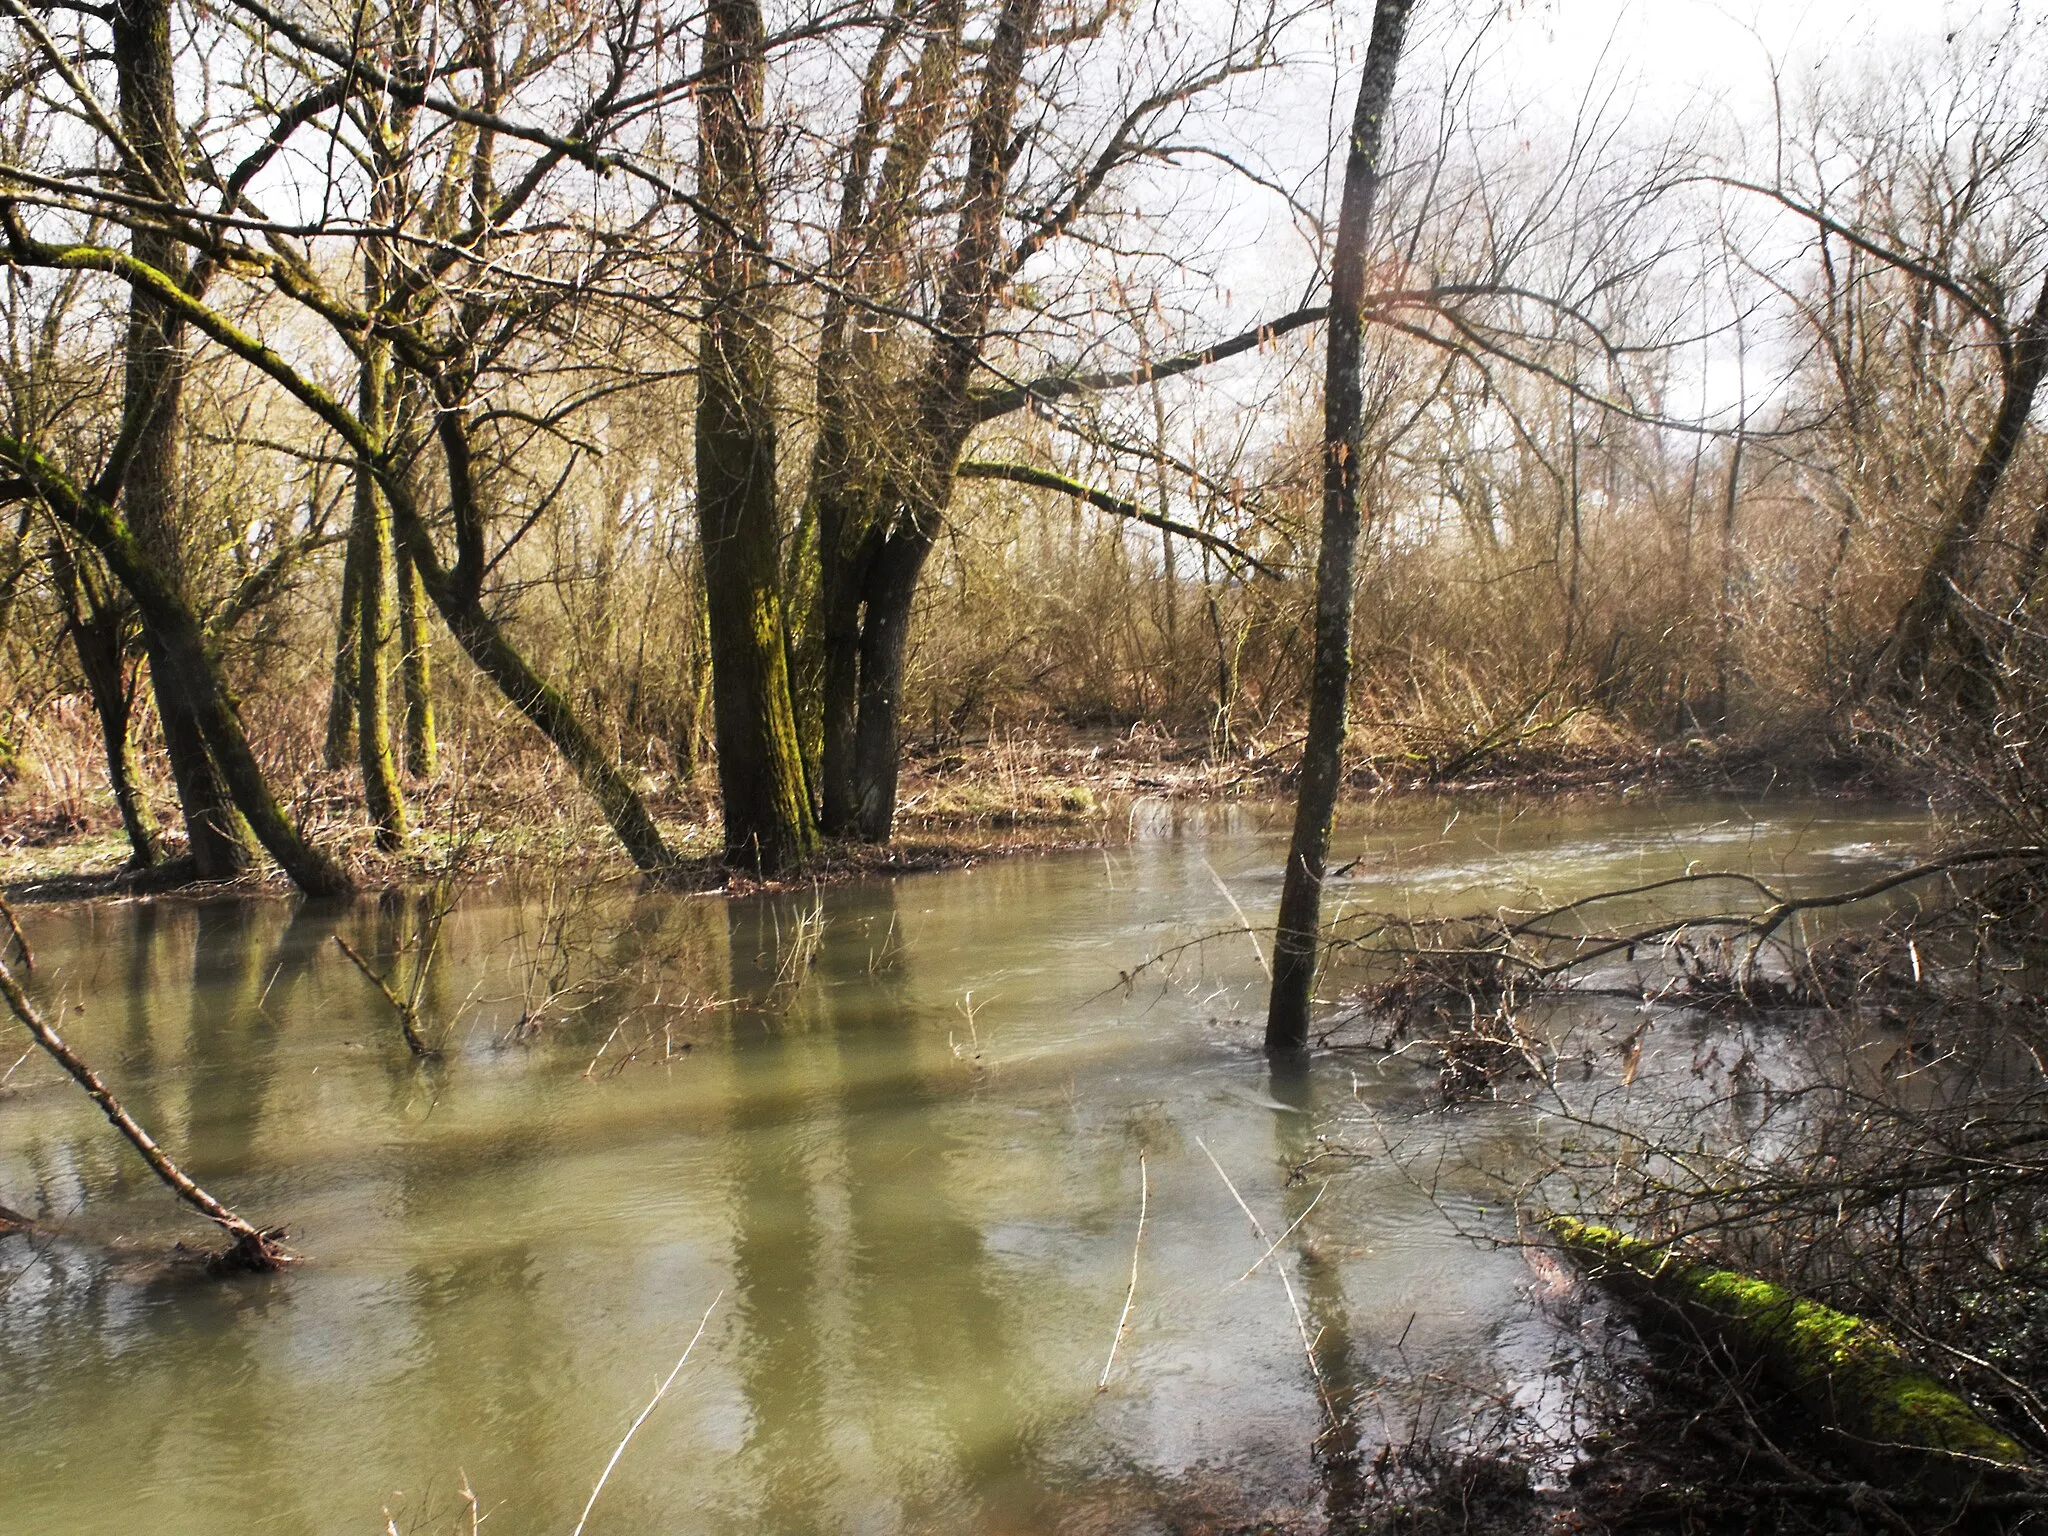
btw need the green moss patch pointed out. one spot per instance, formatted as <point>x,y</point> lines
<point>1839,1366</point>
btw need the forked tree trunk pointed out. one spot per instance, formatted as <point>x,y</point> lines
<point>184,660</point>
<point>1296,946</point>
<point>943,418</point>
<point>768,822</point>
<point>98,629</point>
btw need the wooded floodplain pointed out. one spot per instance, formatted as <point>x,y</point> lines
<point>528,460</point>
<point>473,406</point>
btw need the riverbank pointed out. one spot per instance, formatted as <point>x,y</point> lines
<point>1013,793</point>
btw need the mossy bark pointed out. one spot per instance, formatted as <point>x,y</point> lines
<point>767,810</point>
<point>416,666</point>
<point>1892,1417</point>
<point>371,534</point>
<point>340,745</point>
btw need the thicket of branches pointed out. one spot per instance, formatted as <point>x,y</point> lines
<point>351,352</point>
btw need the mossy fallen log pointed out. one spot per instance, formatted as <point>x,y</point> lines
<point>1894,1419</point>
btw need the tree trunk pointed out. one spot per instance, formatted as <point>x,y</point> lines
<point>13,567</point>
<point>843,572</point>
<point>1296,943</point>
<point>371,534</point>
<point>457,595</point>
<point>153,381</point>
<point>1716,716</point>
<point>98,626</point>
<point>768,823</point>
<point>485,642</point>
<point>340,745</point>
<point>884,643</point>
<point>1931,611</point>
<point>416,664</point>
<point>840,708</point>
<point>944,416</point>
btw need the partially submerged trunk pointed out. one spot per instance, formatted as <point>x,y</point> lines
<point>768,821</point>
<point>1296,945</point>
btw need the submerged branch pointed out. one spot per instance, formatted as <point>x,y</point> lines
<point>405,1006</point>
<point>253,1248</point>
<point>28,956</point>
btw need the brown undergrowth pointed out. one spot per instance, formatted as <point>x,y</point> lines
<point>1023,790</point>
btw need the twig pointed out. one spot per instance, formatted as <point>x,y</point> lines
<point>408,1020</point>
<point>1249,932</point>
<point>1144,1201</point>
<point>1275,1247</point>
<point>1308,1345</point>
<point>608,1039</point>
<point>652,1404</point>
<point>253,1248</point>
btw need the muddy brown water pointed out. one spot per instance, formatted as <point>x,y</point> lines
<point>893,1131</point>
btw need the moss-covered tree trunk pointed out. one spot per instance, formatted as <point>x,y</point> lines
<point>768,821</point>
<point>371,535</point>
<point>154,368</point>
<point>339,746</point>
<point>1296,944</point>
<point>1893,1418</point>
<point>416,667</point>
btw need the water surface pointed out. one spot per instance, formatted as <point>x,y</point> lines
<point>893,1131</point>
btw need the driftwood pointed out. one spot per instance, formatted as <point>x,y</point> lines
<point>253,1248</point>
<point>1897,1422</point>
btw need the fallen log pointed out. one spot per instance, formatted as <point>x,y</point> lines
<point>1894,1419</point>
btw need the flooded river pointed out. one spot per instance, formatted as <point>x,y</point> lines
<point>889,1136</point>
